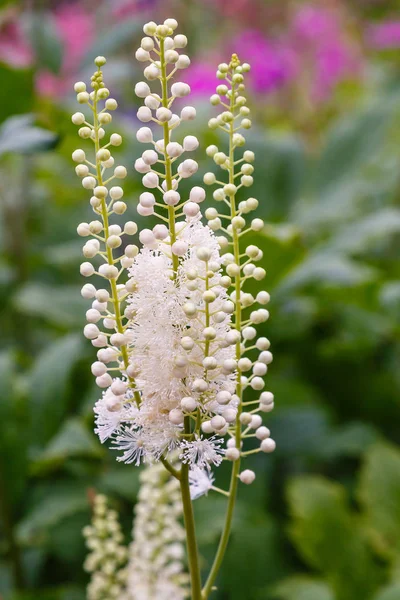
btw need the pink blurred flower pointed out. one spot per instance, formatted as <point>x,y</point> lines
<point>122,9</point>
<point>49,85</point>
<point>384,35</point>
<point>14,50</point>
<point>326,54</point>
<point>75,27</point>
<point>314,24</point>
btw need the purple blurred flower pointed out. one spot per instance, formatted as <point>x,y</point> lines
<point>384,35</point>
<point>272,63</point>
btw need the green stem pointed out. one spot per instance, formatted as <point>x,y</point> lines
<point>174,472</point>
<point>223,543</point>
<point>191,542</point>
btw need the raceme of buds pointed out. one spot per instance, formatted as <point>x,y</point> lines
<point>180,343</point>
<point>156,563</point>
<point>175,328</point>
<point>107,556</point>
<point>167,161</point>
<point>108,248</point>
<point>240,264</point>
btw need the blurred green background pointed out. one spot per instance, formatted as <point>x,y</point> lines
<point>322,520</point>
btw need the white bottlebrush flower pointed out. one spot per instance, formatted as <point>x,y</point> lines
<point>174,322</point>
<point>170,326</point>
<point>107,558</point>
<point>202,452</point>
<point>156,568</point>
<point>165,372</point>
<point>201,482</point>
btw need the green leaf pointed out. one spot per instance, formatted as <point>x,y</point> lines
<point>18,134</point>
<point>51,593</point>
<point>65,253</point>
<point>212,509</point>
<point>358,331</point>
<point>120,480</point>
<point>117,36</point>
<point>320,214</point>
<point>392,592</point>
<point>330,538</point>
<point>13,435</point>
<point>72,440</point>
<point>351,440</point>
<point>66,542</point>
<point>379,492</point>
<point>283,250</point>
<point>255,543</point>
<point>58,504</point>
<point>302,588</point>
<point>60,305</point>
<point>20,91</point>
<point>389,299</point>
<point>281,167</point>
<point>308,426</point>
<point>353,141</point>
<point>48,382</point>
<point>354,172</point>
<point>359,236</point>
<point>326,268</point>
<point>6,579</point>
<point>45,41</point>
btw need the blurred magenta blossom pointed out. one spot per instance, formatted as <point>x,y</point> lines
<point>14,50</point>
<point>272,61</point>
<point>325,54</point>
<point>271,64</point>
<point>122,9</point>
<point>308,48</point>
<point>384,35</point>
<point>231,8</point>
<point>314,50</point>
<point>75,27</point>
<point>201,76</point>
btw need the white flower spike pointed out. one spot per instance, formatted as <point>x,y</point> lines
<point>175,328</point>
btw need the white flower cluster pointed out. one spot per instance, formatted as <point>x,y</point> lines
<point>171,355</point>
<point>156,563</point>
<point>241,263</point>
<point>108,556</point>
<point>108,317</point>
<point>160,49</point>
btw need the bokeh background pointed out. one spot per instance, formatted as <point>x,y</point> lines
<point>322,520</point>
